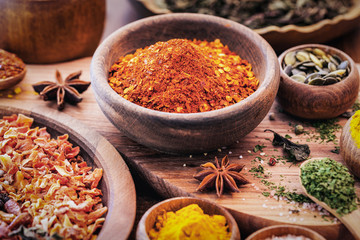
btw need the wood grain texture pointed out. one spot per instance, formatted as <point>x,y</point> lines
<point>51,31</point>
<point>350,220</point>
<point>318,102</point>
<point>171,175</point>
<point>174,204</point>
<point>349,150</point>
<point>193,132</point>
<point>117,184</point>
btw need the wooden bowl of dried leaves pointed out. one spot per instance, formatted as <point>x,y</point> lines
<point>317,81</point>
<point>298,22</point>
<point>186,133</point>
<point>50,31</point>
<point>150,221</point>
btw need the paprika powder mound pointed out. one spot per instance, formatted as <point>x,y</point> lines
<point>183,76</point>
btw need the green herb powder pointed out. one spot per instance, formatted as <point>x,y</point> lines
<point>330,182</point>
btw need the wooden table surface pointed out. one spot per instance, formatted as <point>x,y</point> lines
<point>120,13</point>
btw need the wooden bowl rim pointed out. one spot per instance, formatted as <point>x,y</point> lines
<point>353,13</point>
<point>285,226</point>
<point>141,228</point>
<point>270,79</point>
<point>314,88</point>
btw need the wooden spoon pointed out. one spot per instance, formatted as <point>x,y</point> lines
<point>351,220</point>
<point>12,81</point>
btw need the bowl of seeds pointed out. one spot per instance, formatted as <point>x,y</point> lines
<point>185,83</point>
<point>317,81</point>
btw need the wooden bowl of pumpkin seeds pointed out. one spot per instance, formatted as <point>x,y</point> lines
<point>317,81</point>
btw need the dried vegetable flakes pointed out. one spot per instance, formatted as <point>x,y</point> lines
<point>49,180</point>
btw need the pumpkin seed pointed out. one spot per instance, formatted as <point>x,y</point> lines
<point>339,72</point>
<point>299,78</point>
<point>330,80</point>
<point>290,58</point>
<point>297,71</point>
<point>332,66</point>
<point>343,65</point>
<point>302,56</point>
<point>315,60</point>
<point>317,81</point>
<point>288,70</point>
<point>318,51</point>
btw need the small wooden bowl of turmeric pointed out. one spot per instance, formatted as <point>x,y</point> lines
<point>186,216</point>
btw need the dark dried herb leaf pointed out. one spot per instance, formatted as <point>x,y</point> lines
<point>299,152</point>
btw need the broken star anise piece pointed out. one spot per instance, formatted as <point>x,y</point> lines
<point>225,175</point>
<point>67,90</point>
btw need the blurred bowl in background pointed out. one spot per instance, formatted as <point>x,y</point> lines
<point>50,31</point>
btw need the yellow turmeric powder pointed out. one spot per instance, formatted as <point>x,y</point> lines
<point>190,222</point>
<point>355,128</point>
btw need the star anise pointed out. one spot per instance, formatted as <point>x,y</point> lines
<point>225,175</point>
<point>63,91</point>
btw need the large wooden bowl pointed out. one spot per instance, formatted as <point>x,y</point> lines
<point>116,184</point>
<point>147,221</point>
<point>318,102</point>
<point>49,31</point>
<point>193,132</point>
<point>281,38</point>
<point>284,230</point>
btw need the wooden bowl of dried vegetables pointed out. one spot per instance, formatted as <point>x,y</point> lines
<point>185,83</point>
<point>317,81</point>
<point>59,179</point>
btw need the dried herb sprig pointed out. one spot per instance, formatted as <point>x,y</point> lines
<point>330,182</point>
<point>299,152</point>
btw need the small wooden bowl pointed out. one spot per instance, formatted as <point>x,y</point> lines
<point>13,80</point>
<point>318,102</point>
<point>50,31</point>
<point>192,132</point>
<point>349,151</point>
<point>147,221</point>
<point>281,230</point>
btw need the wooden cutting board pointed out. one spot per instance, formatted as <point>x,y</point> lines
<point>173,175</point>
